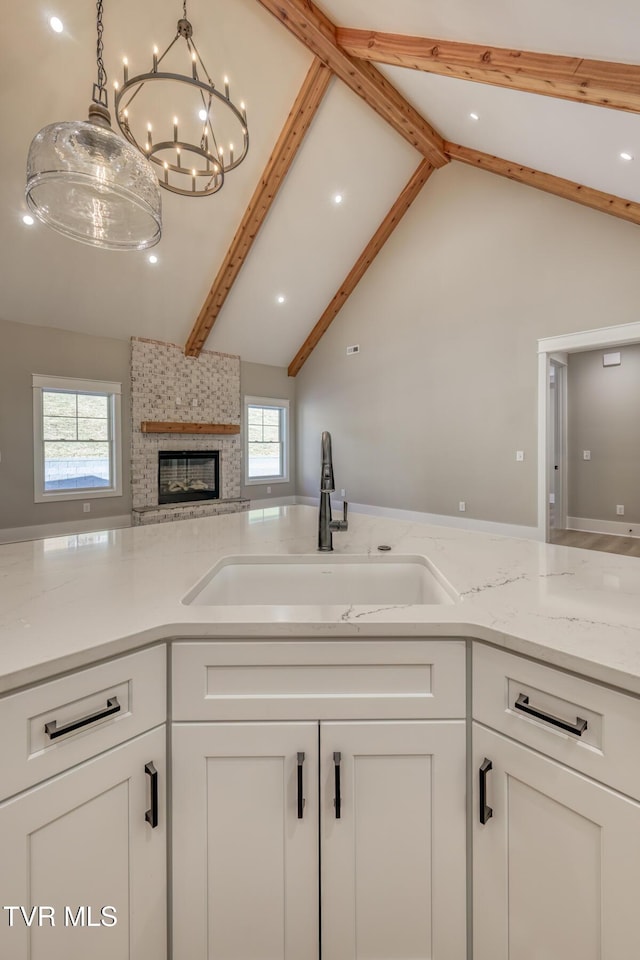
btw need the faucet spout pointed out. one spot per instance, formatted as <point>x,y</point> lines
<point>327,484</point>
<point>326,525</point>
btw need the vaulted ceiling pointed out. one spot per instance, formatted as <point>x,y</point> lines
<point>335,106</point>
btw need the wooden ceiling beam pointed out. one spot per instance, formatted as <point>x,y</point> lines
<point>597,82</point>
<point>315,30</point>
<point>587,196</point>
<point>298,122</point>
<point>364,261</point>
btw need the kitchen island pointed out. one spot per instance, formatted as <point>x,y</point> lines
<point>69,601</point>
<point>431,773</point>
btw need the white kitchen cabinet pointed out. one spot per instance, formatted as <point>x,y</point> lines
<point>386,879</point>
<point>556,862</point>
<point>79,843</point>
<point>245,865</point>
<point>393,863</point>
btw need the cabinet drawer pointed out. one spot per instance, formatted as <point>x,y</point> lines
<point>604,748</point>
<point>386,679</point>
<point>53,726</point>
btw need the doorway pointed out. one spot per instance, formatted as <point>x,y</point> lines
<point>552,410</point>
<point>557,440</point>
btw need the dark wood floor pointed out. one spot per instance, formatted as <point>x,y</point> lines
<point>630,546</point>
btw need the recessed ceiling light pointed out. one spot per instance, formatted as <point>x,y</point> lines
<point>280,299</point>
<point>626,156</point>
<point>338,198</point>
<point>28,220</point>
<point>474,116</point>
<point>203,115</point>
<point>56,24</point>
<point>153,258</point>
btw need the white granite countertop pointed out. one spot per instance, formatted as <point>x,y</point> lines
<point>68,601</point>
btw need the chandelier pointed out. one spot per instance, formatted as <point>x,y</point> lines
<point>192,147</point>
<point>85,181</point>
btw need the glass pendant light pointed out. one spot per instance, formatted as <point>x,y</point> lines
<point>87,182</point>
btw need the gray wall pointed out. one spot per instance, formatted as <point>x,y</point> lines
<point>444,390</point>
<point>262,380</point>
<point>603,409</point>
<point>25,350</point>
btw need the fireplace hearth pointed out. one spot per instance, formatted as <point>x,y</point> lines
<point>187,475</point>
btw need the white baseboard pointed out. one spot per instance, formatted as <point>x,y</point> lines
<point>616,527</point>
<point>273,502</point>
<point>65,528</point>
<point>438,519</point>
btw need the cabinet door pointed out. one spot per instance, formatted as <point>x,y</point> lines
<point>394,862</point>
<point>245,865</point>
<point>80,843</point>
<point>557,865</point>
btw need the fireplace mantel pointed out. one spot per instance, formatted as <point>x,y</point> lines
<point>174,426</point>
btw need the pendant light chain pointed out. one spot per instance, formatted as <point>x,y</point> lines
<point>99,89</point>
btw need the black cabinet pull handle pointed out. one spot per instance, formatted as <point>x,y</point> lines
<point>486,812</point>
<point>53,730</point>
<point>151,815</point>
<point>301,799</point>
<point>579,727</point>
<point>337,802</point>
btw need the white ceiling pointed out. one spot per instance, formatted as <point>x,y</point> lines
<point>308,244</point>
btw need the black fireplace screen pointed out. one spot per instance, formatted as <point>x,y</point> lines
<point>188,475</point>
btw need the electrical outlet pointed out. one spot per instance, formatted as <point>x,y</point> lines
<point>354,349</point>
<point>462,506</point>
<point>343,492</point>
<point>178,402</point>
<point>586,454</point>
<point>194,402</point>
<point>620,509</point>
<point>268,489</point>
<point>519,454</point>
<point>86,508</point>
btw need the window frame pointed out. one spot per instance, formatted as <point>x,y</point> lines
<point>269,403</point>
<point>113,391</point>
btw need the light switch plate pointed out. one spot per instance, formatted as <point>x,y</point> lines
<point>586,454</point>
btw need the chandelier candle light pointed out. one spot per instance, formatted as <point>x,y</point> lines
<point>85,181</point>
<point>193,162</point>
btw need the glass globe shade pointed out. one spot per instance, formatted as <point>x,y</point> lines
<point>87,182</point>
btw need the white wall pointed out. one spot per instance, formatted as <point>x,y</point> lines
<point>443,391</point>
<point>604,418</point>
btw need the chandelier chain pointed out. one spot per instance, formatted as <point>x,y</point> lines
<point>102,73</point>
<point>184,8</point>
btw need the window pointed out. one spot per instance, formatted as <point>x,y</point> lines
<point>267,440</point>
<point>77,450</point>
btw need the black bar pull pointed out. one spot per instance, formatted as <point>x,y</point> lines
<point>579,727</point>
<point>486,812</point>
<point>53,730</point>
<point>337,802</point>
<point>151,815</point>
<point>301,799</point>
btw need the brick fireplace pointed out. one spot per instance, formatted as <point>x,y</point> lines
<point>166,387</point>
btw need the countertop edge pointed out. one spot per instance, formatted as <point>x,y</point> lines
<point>48,670</point>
